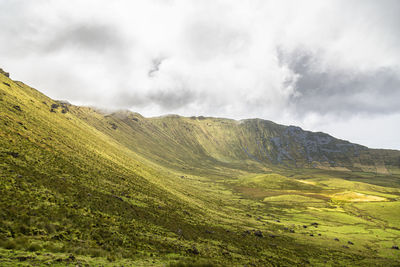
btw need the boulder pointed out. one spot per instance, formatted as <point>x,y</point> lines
<point>194,250</point>
<point>13,154</point>
<point>258,233</point>
<point>17,108</point>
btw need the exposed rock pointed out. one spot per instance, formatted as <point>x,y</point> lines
<point>7,84</point>
<point>55,106</point>
<point>336,239</point>
<point>119,198</point>
<point>4,73</point>
<point>13,154</point>
<point>24,258</point>
<point>258,233</point>
<point>350,243</point>
<point>395,247</point>
<point>17,107</point>
<point>113,126</point>
<point>226,253</point>
<point>194,250</point>
<point>71,257</point>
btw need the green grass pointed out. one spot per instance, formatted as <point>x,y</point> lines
<point>82,187</point>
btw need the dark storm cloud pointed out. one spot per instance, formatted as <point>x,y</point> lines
<point>329,90</point>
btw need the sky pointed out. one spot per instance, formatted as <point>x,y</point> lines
<point>331,66</point>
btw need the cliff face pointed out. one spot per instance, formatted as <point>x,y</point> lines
<point>290,145</point>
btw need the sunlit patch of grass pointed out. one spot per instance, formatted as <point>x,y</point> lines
<point>356,197</point>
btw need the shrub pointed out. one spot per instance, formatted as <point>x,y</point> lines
<point>9,244</point>
<point>34,247</point>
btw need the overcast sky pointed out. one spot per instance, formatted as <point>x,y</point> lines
<point>331,66</point>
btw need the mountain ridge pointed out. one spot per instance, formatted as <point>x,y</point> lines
<point>274,139</point>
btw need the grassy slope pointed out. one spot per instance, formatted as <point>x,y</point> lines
<point>122,189</point>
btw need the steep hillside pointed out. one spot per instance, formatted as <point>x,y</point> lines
<point>254,143</point>
<point>82,187</point>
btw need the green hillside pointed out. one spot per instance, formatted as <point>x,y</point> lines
<point>176,140</point>
<point>79,186</point>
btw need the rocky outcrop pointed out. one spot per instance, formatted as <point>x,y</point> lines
<point>4,73</point>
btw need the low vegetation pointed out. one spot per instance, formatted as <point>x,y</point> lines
<point>86,188</point>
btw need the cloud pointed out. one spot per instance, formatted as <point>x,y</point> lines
<point>302,63</point>
<point>91,38</point>
<point>340,91</point>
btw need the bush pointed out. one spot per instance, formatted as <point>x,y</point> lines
<point>54,247</point>
<point>9,244</point>
<point>34,247</point>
